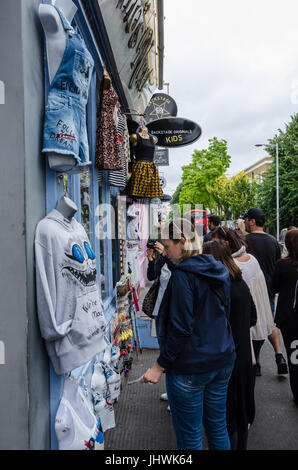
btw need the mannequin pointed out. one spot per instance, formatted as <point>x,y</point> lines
<point>143,132</point>
<point>144,181</point>
<point>66,207</point>
<point>55,46</point>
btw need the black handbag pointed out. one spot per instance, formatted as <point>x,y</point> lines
<point>150,298</point>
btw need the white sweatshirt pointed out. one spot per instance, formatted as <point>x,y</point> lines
<point>70,310</point>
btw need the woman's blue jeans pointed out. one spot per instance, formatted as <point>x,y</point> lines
<point>196,400</point>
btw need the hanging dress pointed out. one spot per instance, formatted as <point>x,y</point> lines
<point>107,154</point>
<point>145,180</point>
<point>65,129</point>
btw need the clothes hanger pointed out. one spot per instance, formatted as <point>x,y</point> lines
<point>106,81</point>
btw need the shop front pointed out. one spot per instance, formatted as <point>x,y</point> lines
<point>77,81</point>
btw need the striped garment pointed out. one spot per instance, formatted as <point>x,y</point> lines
<point>117,177</point>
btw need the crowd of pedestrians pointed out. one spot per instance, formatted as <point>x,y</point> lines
<point>214,311</point>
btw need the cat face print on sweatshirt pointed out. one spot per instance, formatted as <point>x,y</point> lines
<point>79,265</point>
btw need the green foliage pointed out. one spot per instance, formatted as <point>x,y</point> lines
<point>197,178</point>
<point>288,177</point>
<point>233,196</point>
<point>176,195</point>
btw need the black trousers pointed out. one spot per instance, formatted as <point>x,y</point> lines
<point>257,345</point>
<point>290,335</point>
<point>238,439</point>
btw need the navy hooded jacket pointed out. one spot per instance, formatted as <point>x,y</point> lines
<point>193,330</point>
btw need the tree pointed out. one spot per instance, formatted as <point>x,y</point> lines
<point>176,195</point>
<point>221,191</point>
<point>197,178</point>
<point>233,196</point>
<point>288,177</point>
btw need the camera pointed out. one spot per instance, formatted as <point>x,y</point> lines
<point>150,244</point>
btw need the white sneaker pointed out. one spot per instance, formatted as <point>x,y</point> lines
<point>168,408</point>
<point>164,397</point>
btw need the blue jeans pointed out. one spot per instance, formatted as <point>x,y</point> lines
<point>198,399</point>
<point>65,130</point>
<point>272,304</point>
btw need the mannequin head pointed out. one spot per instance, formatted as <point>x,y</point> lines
<point>144,132</point>
<point>66,207</point>
<point>67,6</point>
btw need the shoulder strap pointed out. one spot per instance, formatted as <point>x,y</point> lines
<point>67,26</point>
<point>219,291</point>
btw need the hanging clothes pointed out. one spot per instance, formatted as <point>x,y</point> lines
<point>126,145</point>
<point>144,235</point>
<point>65,131</point>
<point>70,309</point>
<point>107,154</point>
<point>132,261</point>
<point>145,180</point>
<point>75,422</point>
<point>117,177</point>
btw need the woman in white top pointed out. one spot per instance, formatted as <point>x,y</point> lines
<point>254,277</point>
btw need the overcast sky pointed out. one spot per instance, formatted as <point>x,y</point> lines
<point>232,67</point>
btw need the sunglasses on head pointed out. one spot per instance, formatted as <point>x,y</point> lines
<point>223,232</point>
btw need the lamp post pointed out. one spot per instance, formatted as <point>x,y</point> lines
<point>277,186</point>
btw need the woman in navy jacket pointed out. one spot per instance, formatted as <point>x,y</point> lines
<point>197,350</point>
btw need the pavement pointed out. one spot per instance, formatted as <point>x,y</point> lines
<point>142,419</point>
<point>143,422</point>
<point>276,422</point>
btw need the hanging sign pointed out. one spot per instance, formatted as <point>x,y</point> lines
<point>161,157</point>
<point>174,131</point>
<point>141,40</point>
<point>160,106</point>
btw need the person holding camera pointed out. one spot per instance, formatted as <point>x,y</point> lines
<point>197,351</point>
<point>159,266</point>
<point>156,259</point>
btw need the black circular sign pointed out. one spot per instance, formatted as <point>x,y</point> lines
<point>174,131</point>
<point>160,106</point>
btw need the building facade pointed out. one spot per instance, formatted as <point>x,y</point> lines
<point>257,170</point>
<point>132,55</point>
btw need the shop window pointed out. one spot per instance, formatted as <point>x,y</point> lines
<point>101,238</point>
<point>85,183</point>
<point>107,237</point>
<point>115,243</point>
